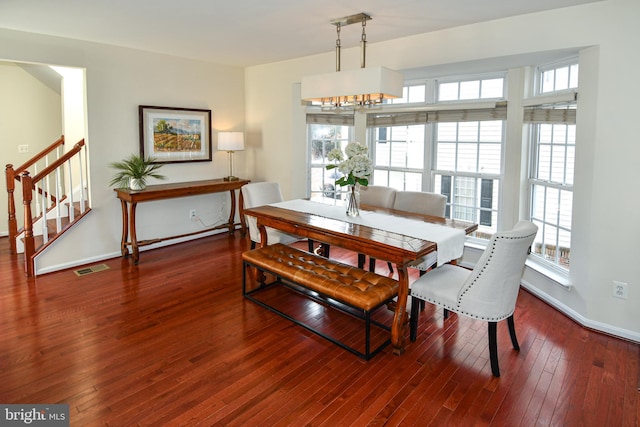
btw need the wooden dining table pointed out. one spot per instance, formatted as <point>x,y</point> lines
<point>393,247</point>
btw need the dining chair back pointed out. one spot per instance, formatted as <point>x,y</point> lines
<point>421,202</point>
<point>257,194</point>
<point>488,292</point>
<point>424,203</point>
<point>377,195</point>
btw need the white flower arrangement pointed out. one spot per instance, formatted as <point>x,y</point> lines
<point>356,168</point>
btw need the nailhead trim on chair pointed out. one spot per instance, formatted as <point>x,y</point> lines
<point>457,307</point>
<point>490,319</point>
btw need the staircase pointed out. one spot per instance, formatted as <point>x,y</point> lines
<point>53,199</point>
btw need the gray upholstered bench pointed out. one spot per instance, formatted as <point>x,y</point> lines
<point>344,287</point>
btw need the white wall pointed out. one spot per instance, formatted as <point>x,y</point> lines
<point>605,201</point>
<point>118,80</point>
<point>30,114</point>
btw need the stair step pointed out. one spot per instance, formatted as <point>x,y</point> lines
<point>53,234</point>
<point>64,224</point>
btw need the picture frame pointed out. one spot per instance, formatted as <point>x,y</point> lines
<point>175,135</point>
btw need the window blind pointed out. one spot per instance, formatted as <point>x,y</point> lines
<point>330,119</point>
<point>550,115</point>
<point>435,116</point>
<point>551,108</point>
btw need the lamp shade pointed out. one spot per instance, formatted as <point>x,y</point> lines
<point>231,141</point>
<point>357,86</point>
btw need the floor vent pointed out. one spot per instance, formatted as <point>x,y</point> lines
<point>92,269</point>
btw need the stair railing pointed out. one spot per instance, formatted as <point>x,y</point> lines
<point>12,175</point>
<point>51,186</point>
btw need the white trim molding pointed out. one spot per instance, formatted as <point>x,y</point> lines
<point>579,318</point>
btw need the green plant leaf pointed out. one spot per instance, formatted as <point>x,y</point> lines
<point>134,166</point>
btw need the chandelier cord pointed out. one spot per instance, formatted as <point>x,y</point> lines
<point>338,47</point>
<point>363,45</point>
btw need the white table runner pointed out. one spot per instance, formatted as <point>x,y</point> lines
<point>450,240</point>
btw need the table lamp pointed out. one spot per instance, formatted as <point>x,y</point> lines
<point>231,141</point>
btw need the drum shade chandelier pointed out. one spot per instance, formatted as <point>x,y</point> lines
<point>359,87</point>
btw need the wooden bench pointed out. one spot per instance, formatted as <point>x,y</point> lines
<point>349,289</point>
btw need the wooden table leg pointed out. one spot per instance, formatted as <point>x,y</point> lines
<point>243,224</point>
<point>232,214</point>
<point>124,250</point>
<point>132,229</point>
<point>400,314</point>
<point>263,234</point>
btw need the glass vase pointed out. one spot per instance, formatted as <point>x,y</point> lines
<point>353,201</point>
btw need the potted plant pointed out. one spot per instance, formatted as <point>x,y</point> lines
<point>134,171</point>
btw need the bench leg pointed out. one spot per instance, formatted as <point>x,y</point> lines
<point>257,277</point>
<point>367,339</point>
<point>361,259</point>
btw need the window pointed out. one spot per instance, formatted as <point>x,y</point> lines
<point>413,93</point>
<point>553,146</point>
<point>471,89</point>
<point>456,151</point>
<point>399,156</point>
<point>323,137</point>
<point>467,169</point>
<point>551,187</point>
<point>553,79</point>
<point>467,164</point>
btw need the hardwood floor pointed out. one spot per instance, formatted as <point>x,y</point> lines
<point>172,342</point>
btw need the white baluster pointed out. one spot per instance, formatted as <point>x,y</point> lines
<point>72,213</point>
<point>43,217</point>
<point>37,209</point>
<point>81,180</point>
<point>58,213</point>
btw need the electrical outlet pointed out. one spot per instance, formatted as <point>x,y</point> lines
<point>620,289</point>
<point>192,214</point>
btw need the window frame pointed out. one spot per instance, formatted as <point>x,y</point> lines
<point>563,98</point>
<point>478,177</point>
<point>372,140</point>
<point>311,165</point>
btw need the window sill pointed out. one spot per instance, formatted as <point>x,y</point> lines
<point>560,277</point>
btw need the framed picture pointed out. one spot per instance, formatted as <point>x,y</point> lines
<point>174,135</point>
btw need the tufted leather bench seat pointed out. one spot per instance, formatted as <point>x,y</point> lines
<point>344,287</point>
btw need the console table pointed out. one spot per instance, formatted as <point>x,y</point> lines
<point>130,198</point>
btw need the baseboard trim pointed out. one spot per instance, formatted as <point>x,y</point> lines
<point>102,257</point>
<point>580,319</point>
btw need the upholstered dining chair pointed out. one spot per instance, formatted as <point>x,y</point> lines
<point>420,202</point>
<point>257,194</point>
<point>488,292</point>
<point>424,203</point>
<point>378,196</point>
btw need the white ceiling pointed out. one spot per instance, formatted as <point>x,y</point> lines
<point>250,32</point>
